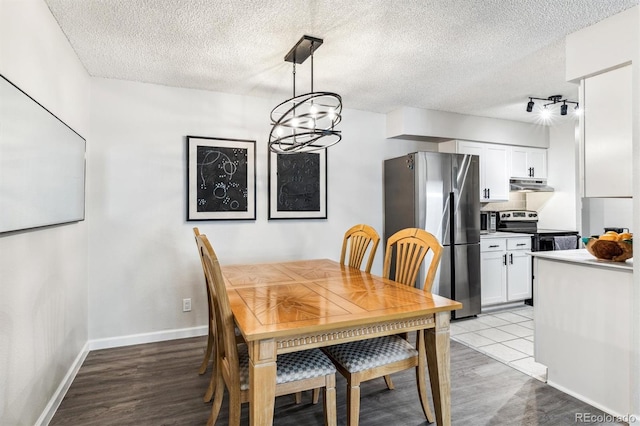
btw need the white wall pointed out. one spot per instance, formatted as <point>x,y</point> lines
<point>598,213</point>
<point>143,260</point>
<point>558,210</point>
<point>43,272</point>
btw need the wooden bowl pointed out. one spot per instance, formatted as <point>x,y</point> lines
<point>616,251</point>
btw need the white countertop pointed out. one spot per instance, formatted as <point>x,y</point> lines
<point>503,235</point>
<point>582,256</point>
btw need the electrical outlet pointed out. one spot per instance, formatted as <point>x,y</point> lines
<point>186,305</point>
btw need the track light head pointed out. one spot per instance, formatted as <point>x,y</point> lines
<point>530,105</point>
<point>563,109</point>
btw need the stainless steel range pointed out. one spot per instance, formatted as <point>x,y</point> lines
<point>526,222</point>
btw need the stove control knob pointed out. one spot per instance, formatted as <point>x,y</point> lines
<point>534,215</point>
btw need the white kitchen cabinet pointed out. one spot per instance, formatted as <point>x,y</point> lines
<point>494,167</point>
<point>505,270</point>
<point>493,274</point>
<point>528,162</point>
<point>607,134</point>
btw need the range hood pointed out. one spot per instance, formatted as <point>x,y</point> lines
<point>529,185</point>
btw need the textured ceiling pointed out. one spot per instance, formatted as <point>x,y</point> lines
<point>478,57</point>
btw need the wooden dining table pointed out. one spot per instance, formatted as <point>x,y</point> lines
<point>292,306</point>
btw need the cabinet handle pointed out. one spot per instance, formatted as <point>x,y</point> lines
<point>488,192</point>
<point>504,259</point>
<point>511,258</point>
<point>530,171</point>
<point>521,244</point>
<point>494,246</point>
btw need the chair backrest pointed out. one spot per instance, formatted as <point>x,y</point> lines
<point>360,237</point>
<point>196,233</point>
<point>227,351</point>
<point>411,247</point>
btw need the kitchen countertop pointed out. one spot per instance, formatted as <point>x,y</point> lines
<point>582,256</point>
<point>503,235</point>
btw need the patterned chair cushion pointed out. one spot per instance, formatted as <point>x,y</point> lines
<point>365,354</point>
<point>291,367</point>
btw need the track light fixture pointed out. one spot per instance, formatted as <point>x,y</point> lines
<point>552,100</point>
<point>305,122</point>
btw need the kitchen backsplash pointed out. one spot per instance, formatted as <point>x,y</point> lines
<point>517,201</point>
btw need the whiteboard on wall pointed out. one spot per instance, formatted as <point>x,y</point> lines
<point>42,164</point>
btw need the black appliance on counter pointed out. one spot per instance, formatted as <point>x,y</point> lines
<point>526,222</point>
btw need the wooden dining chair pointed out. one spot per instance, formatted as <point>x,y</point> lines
<point>296,371</point>
<point>357,239</point>
<point>369,359</point>
<point>211,342</point>
<point>411,246</point>
<point>211,332</point>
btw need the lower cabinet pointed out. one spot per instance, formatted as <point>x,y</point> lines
<point>505,270</point>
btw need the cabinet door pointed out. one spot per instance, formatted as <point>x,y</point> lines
<point>537,162</point>
<point>494,169</point>
<point>518,275</point>
<point>519,167</point>
<point>475,149</point>
<point>496,172</point>
<point>494,277</point>
<point>528,162</point>
<point>607,134</point>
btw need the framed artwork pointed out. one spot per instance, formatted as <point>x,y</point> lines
<point>298,185</point>
<point>221,179</point>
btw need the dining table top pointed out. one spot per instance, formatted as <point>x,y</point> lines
<point>271,300</point>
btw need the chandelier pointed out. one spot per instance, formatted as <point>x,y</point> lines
<point>305,122</point>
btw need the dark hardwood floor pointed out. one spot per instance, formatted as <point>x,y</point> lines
<point>158,384</point>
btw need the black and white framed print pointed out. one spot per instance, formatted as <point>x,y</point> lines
<point>221,179</point>
<point>298,185</point>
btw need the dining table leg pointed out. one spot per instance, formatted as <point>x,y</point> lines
<point>262,382</point>
<point>438,360</point>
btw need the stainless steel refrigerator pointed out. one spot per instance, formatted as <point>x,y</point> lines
<point>440,193</point>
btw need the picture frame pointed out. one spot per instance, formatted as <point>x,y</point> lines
<point>221,179</point>
<point>298,185</point>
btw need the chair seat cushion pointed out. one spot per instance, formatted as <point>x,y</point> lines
<point>365,354</point>
<point>291,367</point>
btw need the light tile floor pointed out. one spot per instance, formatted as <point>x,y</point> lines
<point>505,335</point>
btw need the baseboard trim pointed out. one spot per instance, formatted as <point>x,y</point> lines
<point>156,336</point>
<point>63,387</point>
<point>626,417</point>
<point>111,342</point>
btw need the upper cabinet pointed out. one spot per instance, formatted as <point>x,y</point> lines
<point>528,162</point>
<point>494,167</point>
<point>607,134</point>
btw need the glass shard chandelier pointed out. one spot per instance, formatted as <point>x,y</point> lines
<point>305,122</point>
